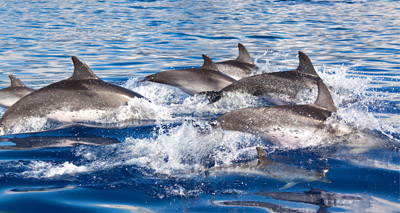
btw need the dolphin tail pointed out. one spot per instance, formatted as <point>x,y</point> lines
<point>212,96</point>
<point>305,65</point>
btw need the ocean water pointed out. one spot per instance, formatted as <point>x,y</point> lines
<point>158,165</point>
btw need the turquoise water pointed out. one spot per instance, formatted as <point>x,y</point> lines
<point>354,45</point>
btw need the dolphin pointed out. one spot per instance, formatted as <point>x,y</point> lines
<point>321,198</point>
<point>194,80</point>
<point>270,207</point>
<point>242,66</point>
<point>288,125</point>
<point>11,94</point>
<point>281,88</point>
<point>39,142</point>
<point>266,167</point>
<point>82,97</point>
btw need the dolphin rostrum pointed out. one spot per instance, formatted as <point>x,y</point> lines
<point>82,97</point>
<point>11,94</point>
<point>289,87</point>
<point>266,167</point>
<point>194,80</point>
<point>242,66</point>
<point>289,125</point>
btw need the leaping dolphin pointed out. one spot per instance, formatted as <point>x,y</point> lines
<point>242,66</point>
<point>266,167</point>
<point>194,80</point>
<point>11,94</point>
<point>288,125</point>
<point>82,97</point>
<point>289,87</point>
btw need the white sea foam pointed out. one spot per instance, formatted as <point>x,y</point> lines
<point>176,151</point>
<point>184,149</point>
<point>40,169</point>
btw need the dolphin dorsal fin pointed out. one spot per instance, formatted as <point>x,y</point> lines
<point>262,158</point>
<point>15,82</point>
<point>305,65</point>
<point>209,64</point>
<point>81,70</point>
<point>244,55</point>
<point>324,99</point>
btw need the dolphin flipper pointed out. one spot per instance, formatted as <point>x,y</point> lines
<point>305,65</point>
<point>15,82</point>
<point>244,55</point>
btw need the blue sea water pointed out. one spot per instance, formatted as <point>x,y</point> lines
<point>157,166</point>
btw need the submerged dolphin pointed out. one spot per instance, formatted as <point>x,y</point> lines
<point>194,80</point>
<point>266,167</point>
<point>38,142</point>
<point>242,66</point>
<point>289,125</point>
<point>11,94</point>
<point>82,97</point>
<point>289,87</point>
<point>321,198</point>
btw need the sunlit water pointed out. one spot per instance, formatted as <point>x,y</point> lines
<point>159,165</point>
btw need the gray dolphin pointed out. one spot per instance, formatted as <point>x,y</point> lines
<point>315,196</point>
<point>194,80</point>
<point>84,94</point>
<point>38,142</point>
<point>242,66</point>
<point>266,167</point>
<point>289,87</point>
<point>289,124</point>
<point>11,94</point>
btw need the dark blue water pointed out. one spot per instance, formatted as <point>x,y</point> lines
<point>354,45</point>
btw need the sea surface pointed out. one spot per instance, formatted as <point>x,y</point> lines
<point>161,165</point>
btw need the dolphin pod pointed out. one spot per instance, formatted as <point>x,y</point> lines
<point>89,98</point>
<point>209,77</point>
